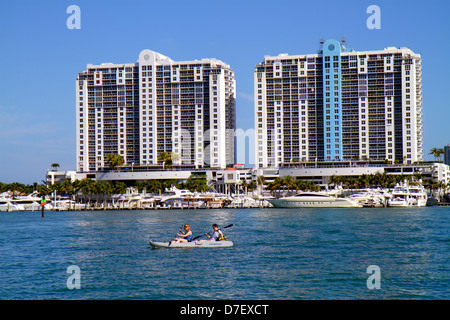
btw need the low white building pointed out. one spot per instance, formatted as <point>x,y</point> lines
<point>53,176</point>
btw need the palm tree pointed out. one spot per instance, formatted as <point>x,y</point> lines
<point>154,186</point>
<point>43,190</point>
<point>108,190</point>
<point>114,160</point>
<point>362,181</point>
<point>440,152</point>
<point>435,152</point>
<point>86,186</point>
<point>430,184</point>
<point>55,166</point>
<point>288,182</point>
<point>252,185</point>
<point>68,187</point>
<point>275,185</point>
<point>117,187</point>
<point>165,158</point>
<point>120,187</point>
<point>260,182</point>
<point>417,176</point>
<point>76,188</point>
<point>244,185</point>
<point>195,182</point>
<point>333,180</point>
<point>441,186</point>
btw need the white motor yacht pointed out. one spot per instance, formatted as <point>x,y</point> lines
<point>179,198</point>
<point>314,200</point>
<point>30,202</point>
<point>410,194</point>
<point>66,204</point>
<point>7,206</point>
<point>371,197</point>
<point>242,201</point>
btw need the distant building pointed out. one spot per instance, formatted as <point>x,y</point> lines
<point>338,104</point>
<point>53,176</point>
<point>139,110</point>
<point>447,154</point>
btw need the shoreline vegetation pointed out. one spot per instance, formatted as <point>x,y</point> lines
<point>101,193</point>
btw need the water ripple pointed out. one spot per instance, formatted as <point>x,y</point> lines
<point>278,254</point>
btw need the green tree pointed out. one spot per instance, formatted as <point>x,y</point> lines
<point>197,183</point>
<point>120,187</point>
<point>244,185</point>
<point>288,182</point>
<point>260,182</point>
<point>165,158</point>
<point>114,160</point>
<point>440,152</point>
<point>154,186</point>
<point>275,185</point>
<point>43,190</point>
<point>436,152</point>
<point>252,185</point>
<point>441,186</point>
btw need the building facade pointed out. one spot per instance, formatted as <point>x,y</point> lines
<point>338,104</point>
<point>447,154</point>
<point>156,105</point>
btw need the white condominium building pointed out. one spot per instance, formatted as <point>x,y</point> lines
<point>338,104</point>
<point>156,105</point>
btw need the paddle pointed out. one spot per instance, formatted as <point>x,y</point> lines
<point>230,225</point>
<point>170,242</point>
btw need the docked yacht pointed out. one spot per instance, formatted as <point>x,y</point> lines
<point>31,202</point>
<point>314,200</point>
<point>242,201</point>
<point>7,206</point>
<point>180,198</point>
<point>66,204</point>
<point>410,194</point>
<point>371,197</point>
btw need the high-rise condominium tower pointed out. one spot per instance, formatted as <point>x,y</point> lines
<point>139,110</point>
<point>338,104</point>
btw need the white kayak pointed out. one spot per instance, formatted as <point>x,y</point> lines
<point>201,244</point>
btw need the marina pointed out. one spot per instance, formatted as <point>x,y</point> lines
<point>404,194</point>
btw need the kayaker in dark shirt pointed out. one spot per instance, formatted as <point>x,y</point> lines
<point>217,234</point>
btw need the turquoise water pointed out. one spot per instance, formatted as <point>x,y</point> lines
<point>278,254</point>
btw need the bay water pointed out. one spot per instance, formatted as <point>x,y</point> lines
<point>277,254</point>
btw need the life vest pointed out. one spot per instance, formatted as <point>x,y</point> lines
<point>222,237</point>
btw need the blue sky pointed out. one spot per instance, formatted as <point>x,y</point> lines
<point>40,57</point>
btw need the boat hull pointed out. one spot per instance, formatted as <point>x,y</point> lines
<point>10,208</point>
<point>405,203</point>
<point>314,203</point>
<point>194,244</point>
